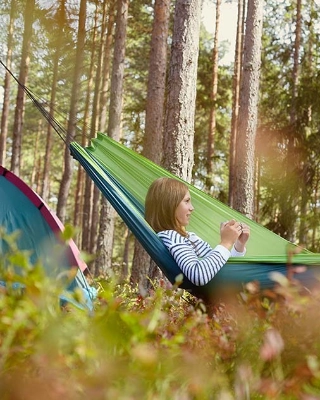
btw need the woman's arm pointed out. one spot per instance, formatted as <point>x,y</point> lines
<point>196,259</point>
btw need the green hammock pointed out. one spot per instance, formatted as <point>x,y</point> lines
<point>124,176</point>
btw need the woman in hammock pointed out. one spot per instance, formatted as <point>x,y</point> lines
<point>168,209</point>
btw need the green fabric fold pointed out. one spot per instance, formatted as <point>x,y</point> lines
<point>124,176</point>
<point>136,173</point>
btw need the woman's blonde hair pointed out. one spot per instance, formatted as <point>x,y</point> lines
<point>163,197</point>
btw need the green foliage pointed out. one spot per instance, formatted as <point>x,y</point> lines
<point>162,346</point>
<point>202,117</point>
<point>288,172</point>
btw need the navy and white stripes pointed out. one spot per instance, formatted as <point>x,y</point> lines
<point>195,257</point>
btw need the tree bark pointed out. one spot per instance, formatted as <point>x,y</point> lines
<point>71,129</point>
<point>94,226</point>
<point>213,98</point>
<point>23,76</point>
<point>116,89</point>
<point>45,189</point>
<point>106,67</point>
<point>152,144</point>
<point>180,107</point>
<point>107,214</point>
<point>6,89</point>
<point>247,124</point>
<point>235,98</point>
<point>84,182</point>
<point>305,184</point>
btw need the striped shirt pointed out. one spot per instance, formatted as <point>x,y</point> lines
<point>196,258</point>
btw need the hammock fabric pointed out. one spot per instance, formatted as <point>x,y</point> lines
<point>123,176</point>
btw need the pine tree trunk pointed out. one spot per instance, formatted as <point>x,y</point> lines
<point>180,107</point>
<point>105,239</point>
<point>94,226</point>
<point>107,215</point>
<point>152,144</point>
<point>23,76</point>
<point>6,89</point>
<point>291,164</point>
<point>305,185</point>
<point>84,182</point>
<point>213,98</point>
<point>235,98</point>
<point>71,130</point>
<point>45,189</point>
<point>106,67</point>
<point>247,124</point>
<point>116,89</point>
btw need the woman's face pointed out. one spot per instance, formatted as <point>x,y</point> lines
<point>184,210</point>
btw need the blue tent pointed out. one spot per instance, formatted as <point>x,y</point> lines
<point>22,211</point>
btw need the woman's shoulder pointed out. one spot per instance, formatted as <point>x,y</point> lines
<point>192,235</point>
<point>171,235</point>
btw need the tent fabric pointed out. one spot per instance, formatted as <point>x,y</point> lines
<point>22,211</point>
<point>123,176</point>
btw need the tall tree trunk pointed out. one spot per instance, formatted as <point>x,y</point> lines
<point>315,211</point>
<point>213,98</point>
<point>84,182</point>
<point>310,52</point>
<point>89,192</point>
<point>116,89</point>
<point>36,168</point>
<point>94,227</point>
<point>6,89</point>
<point>152,143</point>
<point>291,164</point>
<point>106,67</point>
<point>180,107</point>
<point>154,120</point>
<point>295,72</point>
<point>23,76</point>
<point>247,124</point>
<point>59,27</point>
<point>71,129</point>
<point>45,189</point>
<point>305,182</point>
<point>107,213</point>
<point>235,98</point>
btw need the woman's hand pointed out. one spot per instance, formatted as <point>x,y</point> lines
<point>229,233</point>
<point>240,244</point>
<point>234,233</point>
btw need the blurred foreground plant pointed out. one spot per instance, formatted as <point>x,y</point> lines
<point>265,345</point>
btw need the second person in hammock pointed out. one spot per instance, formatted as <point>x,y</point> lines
<point>168,208</point>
